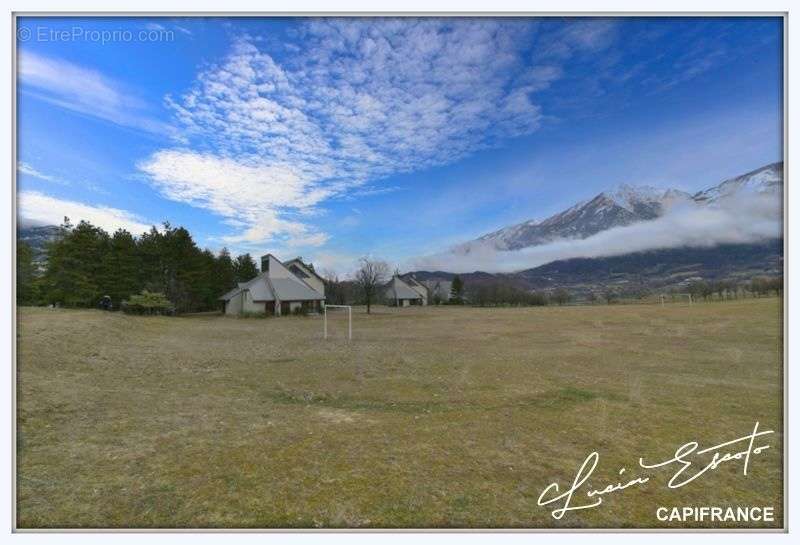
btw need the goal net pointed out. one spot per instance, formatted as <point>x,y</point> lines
<point>337,322</point>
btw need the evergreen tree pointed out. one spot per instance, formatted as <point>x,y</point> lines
<point>26,275</point>
<point>225,275</point>
<point>122,268</point>
<point>457,290</point>
<point>244,268</point>
<point>85,264</point>
<point>74,265</point>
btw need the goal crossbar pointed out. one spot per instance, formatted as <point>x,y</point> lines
<point>349,320</point>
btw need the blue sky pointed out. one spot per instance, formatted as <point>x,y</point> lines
<point>336,138</point>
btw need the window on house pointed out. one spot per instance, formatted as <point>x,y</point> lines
<point>298,271</point>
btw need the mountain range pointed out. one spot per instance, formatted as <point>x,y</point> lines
<point>622,206</point>
<point>626,205</point>
<point>37,237</point>
<point>653,269</point>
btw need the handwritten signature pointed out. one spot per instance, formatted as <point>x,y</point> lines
<point>685,460</point>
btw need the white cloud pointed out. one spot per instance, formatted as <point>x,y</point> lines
<point>742,220</point>
<point>341,264</point>
<point>36,207</point>
<point>249,195</point>
<point>25,168</point>
<point>85,91</point>
<point>362,99</point>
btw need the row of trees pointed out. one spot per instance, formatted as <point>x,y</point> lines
<point>506,294</point>
<point>759,286</point>
<point>86,263</point>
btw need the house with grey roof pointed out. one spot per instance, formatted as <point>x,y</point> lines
<point>398,293</point>
<point>417,286</point>
<point>277,291</point>
<point>439,291</point>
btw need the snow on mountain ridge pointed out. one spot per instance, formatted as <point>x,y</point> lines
<point>767,179</point>
<point>623,205</point>
<point>627,196</point>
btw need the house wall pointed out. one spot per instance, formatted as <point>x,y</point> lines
<point>233,307</point>
<point>251,306</point>
<point>243,302</point>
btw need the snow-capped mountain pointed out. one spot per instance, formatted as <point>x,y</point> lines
<point>622,206</point>
<point>768,179</point>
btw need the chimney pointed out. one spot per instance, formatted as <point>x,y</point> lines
<point>264,263</point>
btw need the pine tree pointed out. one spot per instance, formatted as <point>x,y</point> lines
<point>244,268</point>
<point>26,275</point>
<point>85,264</point>
<point>122,268</point>
<point>457,290</point>
<point>225,275</point>
<point>74,265</point>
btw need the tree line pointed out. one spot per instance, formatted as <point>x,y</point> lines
<point>85,264</point>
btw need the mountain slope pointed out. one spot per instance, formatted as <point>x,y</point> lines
<point>767,179</point>
<point>37,237</point>
<point>653,270</point>
<point>622,206</point>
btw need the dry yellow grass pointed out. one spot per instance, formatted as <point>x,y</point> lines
<point>431,417</point>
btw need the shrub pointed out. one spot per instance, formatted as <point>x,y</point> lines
<point>300,311</point>
<point>251,314</point>
<point>148,303</point>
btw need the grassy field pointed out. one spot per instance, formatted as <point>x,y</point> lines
<point>430,417</point>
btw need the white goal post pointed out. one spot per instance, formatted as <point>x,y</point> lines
<point>349,320</point>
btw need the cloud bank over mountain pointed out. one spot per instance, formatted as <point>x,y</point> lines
<point>743,210</point>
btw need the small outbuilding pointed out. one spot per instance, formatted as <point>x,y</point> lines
<point>417,286</point>
<point>440,291</point>
<point>398,293</point>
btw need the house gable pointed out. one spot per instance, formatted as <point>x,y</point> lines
<point>306,274</point>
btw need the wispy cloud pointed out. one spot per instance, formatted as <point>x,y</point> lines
<point>737,220</point>
<point>25,168</point>
<point>363,99</point>
<point>351,101</point>
<point>250,195</point>
<point>37,207</point>
<point>85,91</point>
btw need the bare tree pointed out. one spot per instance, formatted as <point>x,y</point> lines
<point>370,276</point>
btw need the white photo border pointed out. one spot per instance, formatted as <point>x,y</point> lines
<point>407,8</point>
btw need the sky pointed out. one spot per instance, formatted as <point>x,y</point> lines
<point>337,138</point>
